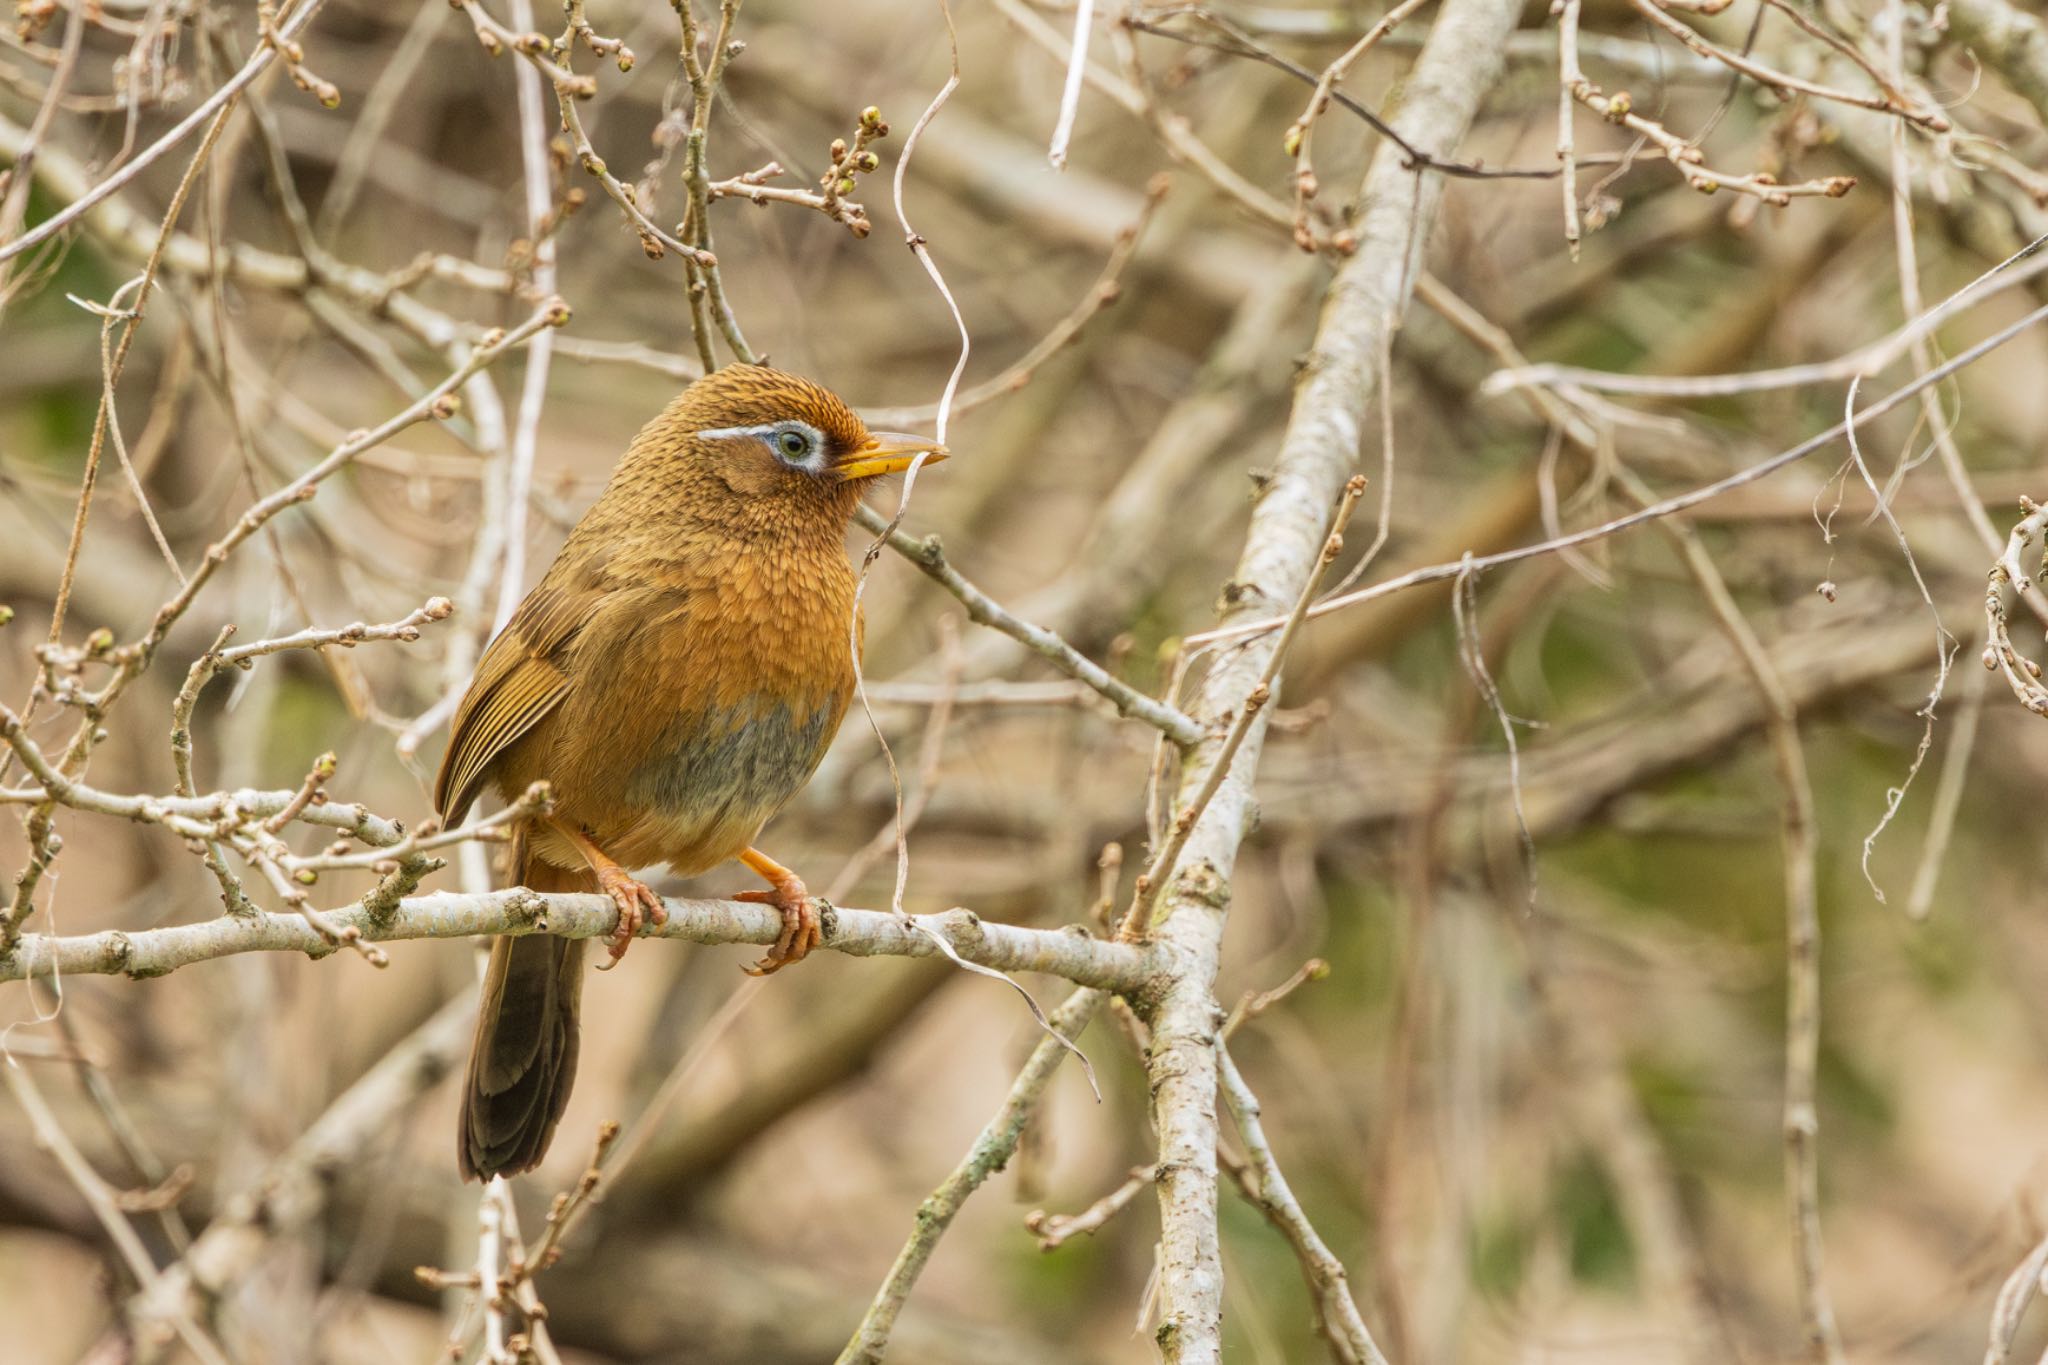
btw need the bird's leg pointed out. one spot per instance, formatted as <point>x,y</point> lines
<point>636,900</point>
<point>800,931</point>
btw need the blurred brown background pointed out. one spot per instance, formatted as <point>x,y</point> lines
<point>1529,1121</point>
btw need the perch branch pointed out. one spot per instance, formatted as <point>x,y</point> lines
<point>1072,954</point>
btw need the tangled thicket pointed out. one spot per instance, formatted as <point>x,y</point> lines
<point>1483,531</point>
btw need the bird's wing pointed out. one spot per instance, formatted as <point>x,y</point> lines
<point>518,681</point>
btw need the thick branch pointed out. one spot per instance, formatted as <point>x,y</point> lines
<point>1460,60</point>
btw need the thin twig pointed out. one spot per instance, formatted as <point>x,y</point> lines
<point>1437,573</point>
<point>1151,883</point>
<point>264,54</point>
<point>929,555</point>
<point>51,1137</point>
<point>990,1153</point>
<point>1337,1315</point>
<point>1801,1123</point>
<point>1053,1230</point>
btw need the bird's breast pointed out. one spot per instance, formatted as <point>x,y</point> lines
<point>754,755</point>
<point>709,780</point>
<point>705,689</point>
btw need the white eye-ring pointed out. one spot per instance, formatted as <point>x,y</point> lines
<point>797,444</point>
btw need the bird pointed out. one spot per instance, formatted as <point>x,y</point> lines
<point>674,677</point>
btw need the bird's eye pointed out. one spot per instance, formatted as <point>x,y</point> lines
<point>794,445</point>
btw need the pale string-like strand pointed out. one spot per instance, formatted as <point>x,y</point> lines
<point>1070,96</point>
<point>916,242</point>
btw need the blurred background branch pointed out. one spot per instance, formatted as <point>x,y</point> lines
<point>315,313</point>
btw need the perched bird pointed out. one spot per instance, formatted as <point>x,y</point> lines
<point>675,677</point>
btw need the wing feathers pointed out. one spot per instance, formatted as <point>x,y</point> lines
<point>517,683</point>
<point>497,717</point>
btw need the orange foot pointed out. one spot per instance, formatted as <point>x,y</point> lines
<point>638,906</point>
<point>800,927</point>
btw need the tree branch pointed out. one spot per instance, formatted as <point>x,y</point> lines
<point>1460,60</point>
<point>1069,953</point>
<point>928,555</point>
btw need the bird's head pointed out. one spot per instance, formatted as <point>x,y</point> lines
<point>774,438</point>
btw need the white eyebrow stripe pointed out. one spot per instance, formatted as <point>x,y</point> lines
<point>765,431</point>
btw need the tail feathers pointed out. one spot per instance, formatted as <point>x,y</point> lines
<point>524,1060</point>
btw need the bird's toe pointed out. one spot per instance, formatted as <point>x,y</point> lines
<point>800,933</point>
<point>638,906</point>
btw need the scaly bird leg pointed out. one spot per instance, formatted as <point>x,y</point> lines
<point>638,905</point>
<point>800,929</point>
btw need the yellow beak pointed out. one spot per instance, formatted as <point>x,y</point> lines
<point>888,452</point>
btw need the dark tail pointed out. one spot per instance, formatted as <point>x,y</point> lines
<point>524,1059</point>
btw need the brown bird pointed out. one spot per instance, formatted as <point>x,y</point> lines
<point>675,677</point>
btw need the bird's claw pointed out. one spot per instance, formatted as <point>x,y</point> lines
<point>638,906</point>
<point>801,927</point>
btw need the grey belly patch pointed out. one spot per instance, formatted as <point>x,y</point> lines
<point>746,759</point>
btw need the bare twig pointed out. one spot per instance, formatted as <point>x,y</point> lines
<point>1337,1315</point>
<point>1801,1124</point>
<point>2012,573</point>
<point>51,1137</point>
<point>264,54</point>
<point>930,556</point>
<point>297,1185</point>
<point>2020,1289</point>
<point>990,1153</point>
<point>1053,1230</point>
<point>1436,573</point>
<point>1070,94</point>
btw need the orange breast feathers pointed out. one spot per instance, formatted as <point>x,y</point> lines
<point>682,710</point>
